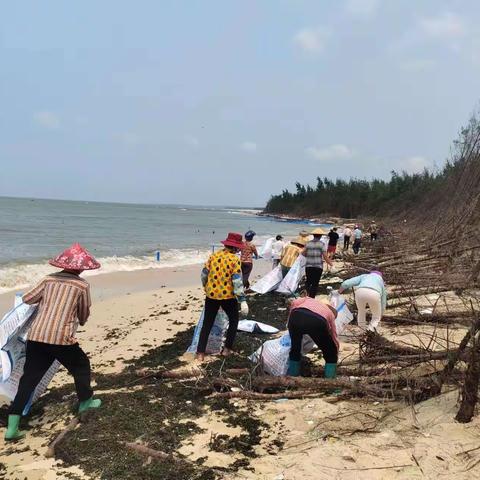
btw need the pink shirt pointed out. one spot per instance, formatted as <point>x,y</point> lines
<point>319,309</point>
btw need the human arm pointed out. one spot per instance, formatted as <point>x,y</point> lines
<point>35,294</point>
<point>204,274</point>
<point>384,300</point>
<point>255,252</point>
<point>83,307</point>
<point>351,282</point>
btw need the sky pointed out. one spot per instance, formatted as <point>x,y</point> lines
<point>215,102</point>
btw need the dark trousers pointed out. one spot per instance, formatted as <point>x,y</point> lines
<point>304,322</point>
<point>346,242</point>
<point>285,270</point>
<point>39,358</point>
<point>313,275</point>
<point>246,271</point>
<point>230,307</point>
<point>373,237</point>
<point>356,245</point>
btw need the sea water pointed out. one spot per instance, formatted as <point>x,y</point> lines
<point>122,236</point>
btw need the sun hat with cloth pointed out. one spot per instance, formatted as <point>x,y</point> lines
<point>75,258</point>
<point>299,241</point>
<point>234,240</point>
<point>319,231</point>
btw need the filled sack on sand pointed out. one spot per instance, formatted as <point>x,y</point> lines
<point>344,315</point>
<point>273,354</point>
<point>217,334</point>
<point>14,328</point>
<point>268,282</point>
<point>292,279</point>
<point>252,326</point>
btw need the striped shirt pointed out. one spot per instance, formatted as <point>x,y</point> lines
<point>289,254</point>
<point>314,252</point>
<point>64,303</point>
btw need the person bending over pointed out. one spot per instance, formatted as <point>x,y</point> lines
<point>316,319</point>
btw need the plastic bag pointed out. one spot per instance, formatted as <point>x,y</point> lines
<point>273,354</point>
<point>266,250</point>
<point>290,283</point>
<point>217,333</point>
<point>344,315</point>
<point>268,282</point>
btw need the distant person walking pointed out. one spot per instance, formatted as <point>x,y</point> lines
<point>347,234</point>
<point>373,231</point>
<point>277,248</point>
<point>315,254</point>
<point>249,251</point>
<point>63,300</point>
<point>333,237</point>
<point>357,240</point>
<point>369,291</point>
<point>290,253</point>
<point>222,281</point>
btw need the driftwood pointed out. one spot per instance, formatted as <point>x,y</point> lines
<point>154,453</point>
<point>70,426</point>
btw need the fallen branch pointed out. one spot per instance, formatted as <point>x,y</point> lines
<point>71,426</point>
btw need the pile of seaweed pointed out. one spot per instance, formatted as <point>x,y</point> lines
<point>161,413</point>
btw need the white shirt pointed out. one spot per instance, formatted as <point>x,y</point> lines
<point>277,248</point>
<point>347,232</point>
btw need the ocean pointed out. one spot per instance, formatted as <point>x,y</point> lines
<point>123,237</point>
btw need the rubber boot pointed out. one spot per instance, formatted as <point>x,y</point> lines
<point>330,370</point>
<point>90,403</point>
<point>12,434</point>
<point>293,368</point>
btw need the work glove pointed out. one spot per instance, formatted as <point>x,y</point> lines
<point>244,308</point>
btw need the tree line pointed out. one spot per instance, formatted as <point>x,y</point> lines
<point>355,197</point>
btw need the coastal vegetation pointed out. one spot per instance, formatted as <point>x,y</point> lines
<point>360,197</point>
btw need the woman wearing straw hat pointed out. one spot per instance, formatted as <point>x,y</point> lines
<point>63,300</point>
<point>222,280</point>
<point>317,319</point>
<point>290,253</point>
<point>315,253</point>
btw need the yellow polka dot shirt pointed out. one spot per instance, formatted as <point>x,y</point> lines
<point>223,276</point>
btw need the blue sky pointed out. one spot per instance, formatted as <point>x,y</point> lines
<point>227,102</point>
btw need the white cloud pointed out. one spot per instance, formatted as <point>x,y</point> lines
<point>414,164</point>
<point>47,119</point>
<point>192,141</point>
<point>249,147</point>
<point>312,40</point>
<point>362,8</point>
<point>446,25</point>
<point>332,152</point>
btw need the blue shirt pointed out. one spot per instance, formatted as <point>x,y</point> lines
<point>357,233</point>
<point>368,280</point>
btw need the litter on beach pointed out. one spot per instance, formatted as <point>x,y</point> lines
<point>252,326</point>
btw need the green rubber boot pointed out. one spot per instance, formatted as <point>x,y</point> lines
<point>293,368</point>
<point>12,434</point>
<point>90,403</point>
<point>330,370</point>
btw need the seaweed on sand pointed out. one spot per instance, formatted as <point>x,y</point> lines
<point>162,413</point>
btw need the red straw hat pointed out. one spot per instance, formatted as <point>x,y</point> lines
<point>234,240</point>
<point>75,258</point>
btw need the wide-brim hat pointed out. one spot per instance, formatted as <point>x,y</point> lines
<point>234,240</point>
<point>319,231</point>
<point>299,241</point>
<point>75,258</point>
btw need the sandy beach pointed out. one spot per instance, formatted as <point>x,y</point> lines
<point>311,438</point>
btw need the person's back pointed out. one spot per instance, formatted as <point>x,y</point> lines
<point>64,302</point>
<point>277,248</point>
<point>333,238</point>
<point>221,266</point>
<point>248,251</point>
<point>347,232</point>
<point>357,233</point>
<point>289,254</point>
<point>314,252</point>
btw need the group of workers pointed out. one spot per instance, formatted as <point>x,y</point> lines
<point>64,302</point>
